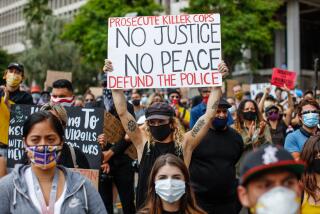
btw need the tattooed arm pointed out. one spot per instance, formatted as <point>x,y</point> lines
<point>128,122</point>
<point>200,129</point>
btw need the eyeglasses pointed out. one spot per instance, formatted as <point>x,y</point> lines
<point>311,111</point>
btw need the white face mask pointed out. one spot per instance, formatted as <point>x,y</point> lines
<point>278,200</point>
<point>170,190</point>
<point>232,109</point>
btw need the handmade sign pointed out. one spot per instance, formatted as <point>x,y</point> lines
<point>56,75</point>
<point>260,87</point>
<point>113,129</point>
<point>171,51</point>
<point>84,126</point>
<point>91,174</point>
<point>282,77</point>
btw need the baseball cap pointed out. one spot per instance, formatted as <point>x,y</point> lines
<point>159,110</point>
<point>268,158</point>
<point>16,66</point>
<point>224,103</point>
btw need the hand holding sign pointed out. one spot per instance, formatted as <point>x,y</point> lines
<point>283,77</point>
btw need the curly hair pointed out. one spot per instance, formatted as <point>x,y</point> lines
<point>177,134</point>
<point>239,123</point>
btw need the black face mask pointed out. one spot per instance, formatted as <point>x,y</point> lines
<point>316,166</point>
<point>160,132</point>
<point>219,124</point>
<point>135,102</point>
<point>249,115</point>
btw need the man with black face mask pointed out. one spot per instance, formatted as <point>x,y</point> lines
<point>212,168</point>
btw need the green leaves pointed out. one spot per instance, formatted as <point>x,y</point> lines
<point>245,24</point>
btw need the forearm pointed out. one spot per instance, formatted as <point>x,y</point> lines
<point>119,101</point>
<point>213,102</point>
<point>261,103</point>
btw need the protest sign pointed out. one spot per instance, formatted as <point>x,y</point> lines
<point>113,129</point>
<point>91,174</point>
<point>56,75</point>
<point>230,84</point>
<point>171,51</point>
<point>260,87</point>
<point>83,127</point>
<point>282,77</point>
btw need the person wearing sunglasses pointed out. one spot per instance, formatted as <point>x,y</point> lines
<point>308,114</point>
<point>44,186</point>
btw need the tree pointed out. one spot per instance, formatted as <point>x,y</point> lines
<point>5,59</point>
<point>89,28</point>
<point>245,24</point>
<point>36,11</point>
<point>53,54</point>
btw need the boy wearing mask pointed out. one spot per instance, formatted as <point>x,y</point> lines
<point>269,181</point>
<point>308,114</point>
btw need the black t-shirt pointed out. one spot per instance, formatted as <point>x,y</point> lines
<point>212,168</point>
<point>19,97</point>
<point>149,156</point>
<point>278,135</point>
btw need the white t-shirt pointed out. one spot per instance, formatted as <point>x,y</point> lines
<point>32,194</point>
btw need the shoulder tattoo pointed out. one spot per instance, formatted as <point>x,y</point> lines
<point>132,125</point>
<point>197,127</point>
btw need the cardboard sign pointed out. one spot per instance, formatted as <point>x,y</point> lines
<point>91,174</point>
<point>171,51</point>
<point>96,91</point>
<point>282,77</point>
<point>84,126</point>
<point>56,75</point>
<point>113,129</point>
<point>230,84</point>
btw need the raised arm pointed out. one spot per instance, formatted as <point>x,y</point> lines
<point>288,117</point>
<point>128,121</point>
<point>263,99</point>
<point>193,137</point>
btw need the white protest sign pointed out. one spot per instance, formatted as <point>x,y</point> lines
<point>164,51</point>
<point>260,87</point>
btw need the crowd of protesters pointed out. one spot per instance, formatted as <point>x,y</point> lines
<point>203,154</point>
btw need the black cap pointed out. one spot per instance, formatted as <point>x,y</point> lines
<point>172,91</point>
<point>16,65</point>
<point>268,158</point>
<point>268,108</point>
<point>224,103</point>
<point>159,110</point>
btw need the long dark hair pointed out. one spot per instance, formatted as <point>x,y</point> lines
<point>310,150</point>
<point>187,202</point>
<point>240,120</point>
<point>39,117</point>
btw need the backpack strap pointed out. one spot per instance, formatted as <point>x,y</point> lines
<point>73,156</point>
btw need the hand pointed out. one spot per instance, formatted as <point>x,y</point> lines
<point>102,140</point>
<point>252,129</point>
<point>108,67</point>
<point>107,155</point>
<point>267,90</point>
<point>223,69</point>
<point>262,126</point>
<point>105,168</point>
<point>285,88</point>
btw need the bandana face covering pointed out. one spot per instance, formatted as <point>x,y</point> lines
<point>13,80</point>
<point>65,101</point>
<point>44,157</point>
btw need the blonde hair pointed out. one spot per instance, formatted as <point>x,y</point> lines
<point>177,134</point>
<point>59,109</point>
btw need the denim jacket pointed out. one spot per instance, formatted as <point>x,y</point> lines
<point>81,196</point>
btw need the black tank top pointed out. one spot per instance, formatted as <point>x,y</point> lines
<point>148,158</point>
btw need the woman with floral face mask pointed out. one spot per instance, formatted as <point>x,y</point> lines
<point>169,190</point>
<point>44,187</point>
<point>311,176</point>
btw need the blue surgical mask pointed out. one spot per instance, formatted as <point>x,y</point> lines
<point>310,119</point>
